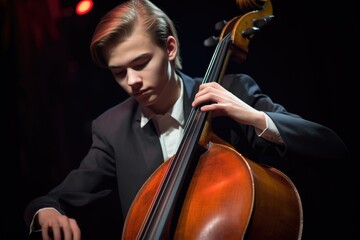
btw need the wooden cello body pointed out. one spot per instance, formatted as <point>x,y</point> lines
<point>227,199</point>
<point>208,190</point>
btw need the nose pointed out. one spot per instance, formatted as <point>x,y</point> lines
<point>133,78</point>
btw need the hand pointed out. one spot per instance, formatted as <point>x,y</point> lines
<point>224,103</point>
<point>57,226</point>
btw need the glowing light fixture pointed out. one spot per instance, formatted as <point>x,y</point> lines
<point>84,6</point>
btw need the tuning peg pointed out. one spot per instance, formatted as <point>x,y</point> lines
<point>250,31</point>
<point>220,25</point>
<point>211,41</point>
<point>261,22</point>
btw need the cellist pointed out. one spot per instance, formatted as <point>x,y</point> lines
<point>138,43</point>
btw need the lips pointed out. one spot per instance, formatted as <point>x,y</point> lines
<point>138,93</point>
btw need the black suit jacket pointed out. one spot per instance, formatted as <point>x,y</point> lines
<point>123,155</point>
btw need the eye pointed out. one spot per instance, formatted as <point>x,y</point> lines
<point>121,73</point>
<point>118,71</point>
<point>141,65</point>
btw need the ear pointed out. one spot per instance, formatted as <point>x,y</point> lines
<point>171,47</point>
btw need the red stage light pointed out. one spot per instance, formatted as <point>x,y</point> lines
<point>84,6</point>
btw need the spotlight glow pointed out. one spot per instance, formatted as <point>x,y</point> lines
<point>84,6</point>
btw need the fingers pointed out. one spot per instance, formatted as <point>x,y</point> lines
<point>214,97</point>
<point>61,228</point>
<point>221,102</point>
<point>75,229</point>
<point>208,92</point>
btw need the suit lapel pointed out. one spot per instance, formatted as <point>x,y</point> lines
<point>149,143</point>
<point>190,88</point>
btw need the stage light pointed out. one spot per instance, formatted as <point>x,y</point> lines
<point>84,6</point>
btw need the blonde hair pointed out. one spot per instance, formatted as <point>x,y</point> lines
<point>118,24</point>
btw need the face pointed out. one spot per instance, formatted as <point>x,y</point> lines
<point>142,68</point>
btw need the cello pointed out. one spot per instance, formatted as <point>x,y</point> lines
<point>208,190</point>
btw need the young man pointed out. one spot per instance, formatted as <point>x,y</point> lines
<point>138,43</point>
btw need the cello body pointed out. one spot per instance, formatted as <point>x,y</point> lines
<point>229,197</point>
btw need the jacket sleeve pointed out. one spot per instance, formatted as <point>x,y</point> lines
<point>301,137</point>
<point>93,180</point>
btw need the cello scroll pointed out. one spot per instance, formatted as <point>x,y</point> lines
<point>243,27</point>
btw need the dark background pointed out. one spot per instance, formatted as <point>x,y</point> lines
<point>304,59</point>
